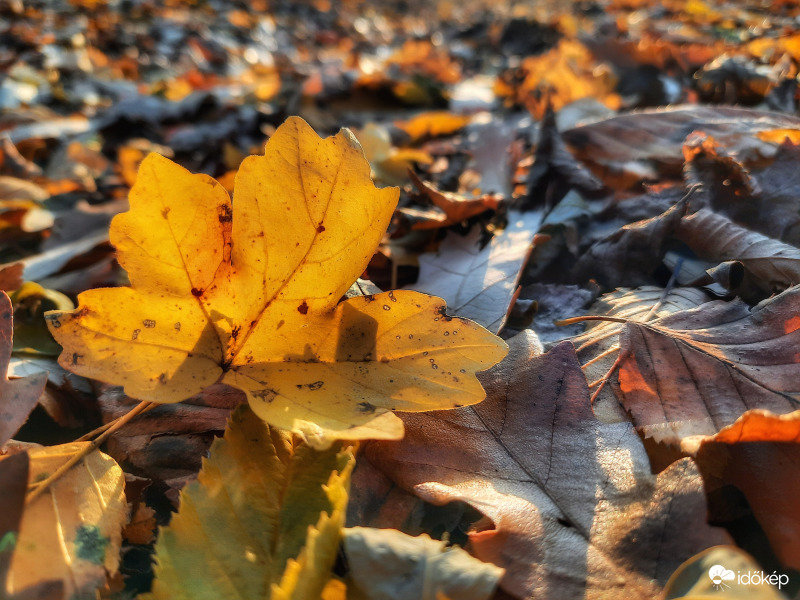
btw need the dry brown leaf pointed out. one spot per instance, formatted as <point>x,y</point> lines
<point>697,371</point>
<point>759,454</point>
<point>18,397</point>
<point>598,346</point>
<point>564,496</point>
<point>774,264</point>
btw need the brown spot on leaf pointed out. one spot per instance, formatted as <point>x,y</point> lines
<point>303,308</point>
<point>135,333</point>
<point>165,211</point>
<point>224,213</point>
<point>177,326</point>
<point>149,323</point>
<point>266,395</point>
<point>320,228</point>
<point>311,386</point>
<point>365,408</point>
<point>197,292</point>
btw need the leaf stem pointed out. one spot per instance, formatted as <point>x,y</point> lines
<point>572,320</point>
<point>92,446</point>
<point>605,379</point>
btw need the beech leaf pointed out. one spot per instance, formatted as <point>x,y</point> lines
<point>263,519</point>
<point>248,293</point>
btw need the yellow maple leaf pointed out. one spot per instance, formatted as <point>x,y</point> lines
<point>249,292</point>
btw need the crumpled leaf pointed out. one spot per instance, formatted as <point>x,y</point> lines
<point>455,208</point>
<point>18,397</point>
<point>629,256</point>
<point>646,145</point>
<point>564,496</point>
<point>774,264</point>
<point>250,296</point>
<point>263,520</point>
<point>692,580</point>
<point>75,526</point>
<point>697,371</point>
<point>386,564</point>
<point>598,346</point>
<point>759,454</point>
<point>479,282</point>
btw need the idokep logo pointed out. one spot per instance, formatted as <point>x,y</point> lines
<point>720,576</point>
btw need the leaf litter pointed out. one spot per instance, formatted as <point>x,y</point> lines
<point>641,155</point>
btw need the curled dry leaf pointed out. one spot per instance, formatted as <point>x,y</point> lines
<point>759,454</point>
<point>386,564</point>
<point>456,208</point>
<point>18,397</point>
<point>774,264</point>
<point>563,494</point>
<point>75,527</point>
<point>630,255</point>
<point>647,145</point>
<point>248,294</point>
<point>697,371</point>
<point>263,519</point>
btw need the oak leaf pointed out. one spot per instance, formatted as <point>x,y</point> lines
<point>571,508</point>
<point>248,293</point>
<point>263,519</point>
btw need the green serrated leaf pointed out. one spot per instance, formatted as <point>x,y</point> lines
<point>263,520</point>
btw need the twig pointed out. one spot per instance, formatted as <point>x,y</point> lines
<point>95,432</point>
<point>43,485</point>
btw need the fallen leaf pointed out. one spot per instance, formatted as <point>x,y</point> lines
<point>697,371</point>
<point>630,256</point>
<point>716,573</point>
<point>386,564</point>
<point>774,264</point>
<point>598,346</point>
<point>434,124</point>
<point>479,282</point>
<point>75,527</point>
<point>571,508</point>
<point>555,170</point>
<point>759,455</point>
<point>18,397</point>
<point>627,150</point>
<point>263,519</point>
<point>251,296</point>
<point>456,208</point>
<point>14,483</point>
<point>30,302</point>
